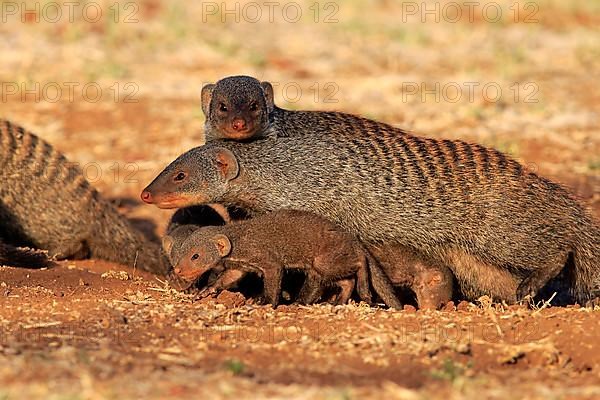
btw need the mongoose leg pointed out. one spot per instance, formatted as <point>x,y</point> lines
<point>538,278</point>
<point>272,275</point>
<point>362,282</point>
<point>312,289</point>
<point>432,286</point>
<point>178,283</point>
<point>346,288</point>
<point>225,281</point>
<point>75,249</point>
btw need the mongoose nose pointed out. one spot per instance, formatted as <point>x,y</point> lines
<point>146,196</point>
<point>238,124</point>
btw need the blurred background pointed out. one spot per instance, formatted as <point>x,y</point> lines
<point>116,85</point>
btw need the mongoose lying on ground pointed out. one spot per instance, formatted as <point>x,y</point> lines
<point>46,203</point>
<point>503,230</point>
<point>20,257</point>
<point>286,239</point>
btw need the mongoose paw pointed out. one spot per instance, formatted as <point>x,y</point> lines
<point>526,288</point>
<point>208,292</point>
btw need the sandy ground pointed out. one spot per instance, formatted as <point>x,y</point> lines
<point>70,332</point>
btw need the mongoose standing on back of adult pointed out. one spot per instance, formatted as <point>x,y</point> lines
<point>290,239</point>
<point>503,230</point>
<point>242,108</point>
<point>46,203</point>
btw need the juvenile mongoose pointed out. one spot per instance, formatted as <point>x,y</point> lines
<point>46,203</point>
<point>176,244</point>
<point>503,230</point>
<point>286,239</point>
<point>430,281</point>
<point>181,225</point>
<point>22,257</point>
<point>242,108</point>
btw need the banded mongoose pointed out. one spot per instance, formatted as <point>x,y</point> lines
<point>430,281</point>
<point>287,239</point>
<point>503,230</point>
<point>176,244</point>
<point>181,225</point>
<point>22,257</point>
<point>242,108</point>
<point>46,203</point>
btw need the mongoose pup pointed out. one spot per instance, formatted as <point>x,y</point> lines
<point>22,257</point>
<point>176,244</point>
<point>503,230</point>
<point>430,281</point>
<point>286,239</point>
<point>242,108</point>
<point>46,203</point>
<point>181,225</point>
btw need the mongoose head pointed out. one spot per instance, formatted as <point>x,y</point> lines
<point>237,107</point>
<point>172,243</point>
<point>200,176</point>
<point>205,253</point>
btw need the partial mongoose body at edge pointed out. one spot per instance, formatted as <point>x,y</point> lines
<point>503,230</point>
<point>46,203</point>
<point>286,239</point>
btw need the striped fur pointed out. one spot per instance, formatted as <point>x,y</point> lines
<point>46,203</point>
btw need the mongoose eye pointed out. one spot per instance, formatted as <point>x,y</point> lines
<point>253,107</point>
<point>195,257</point>
<point>223,107</point>
<point>180,176</point>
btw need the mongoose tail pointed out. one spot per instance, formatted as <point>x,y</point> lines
<point>23,257</point>
<point>47,203</point>
<point>382,284</point>
<point>114,238</point>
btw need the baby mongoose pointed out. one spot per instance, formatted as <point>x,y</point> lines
<point>503,230</point>
<point>46,203</point>
<point>286,239</point>
<point>181,225</point>
<point>242,108</point>
<point>430,281</point>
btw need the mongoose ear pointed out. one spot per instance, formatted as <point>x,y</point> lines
<point>268,91</point>
<point>167,244</point>
<point>227,164</point>
<point>206,96</point>
<point>223,244</point>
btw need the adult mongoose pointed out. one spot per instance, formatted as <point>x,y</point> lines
<point>46,203</point>
<point>290,239</point>
<point>22,257</point>
<point>503,230</point>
